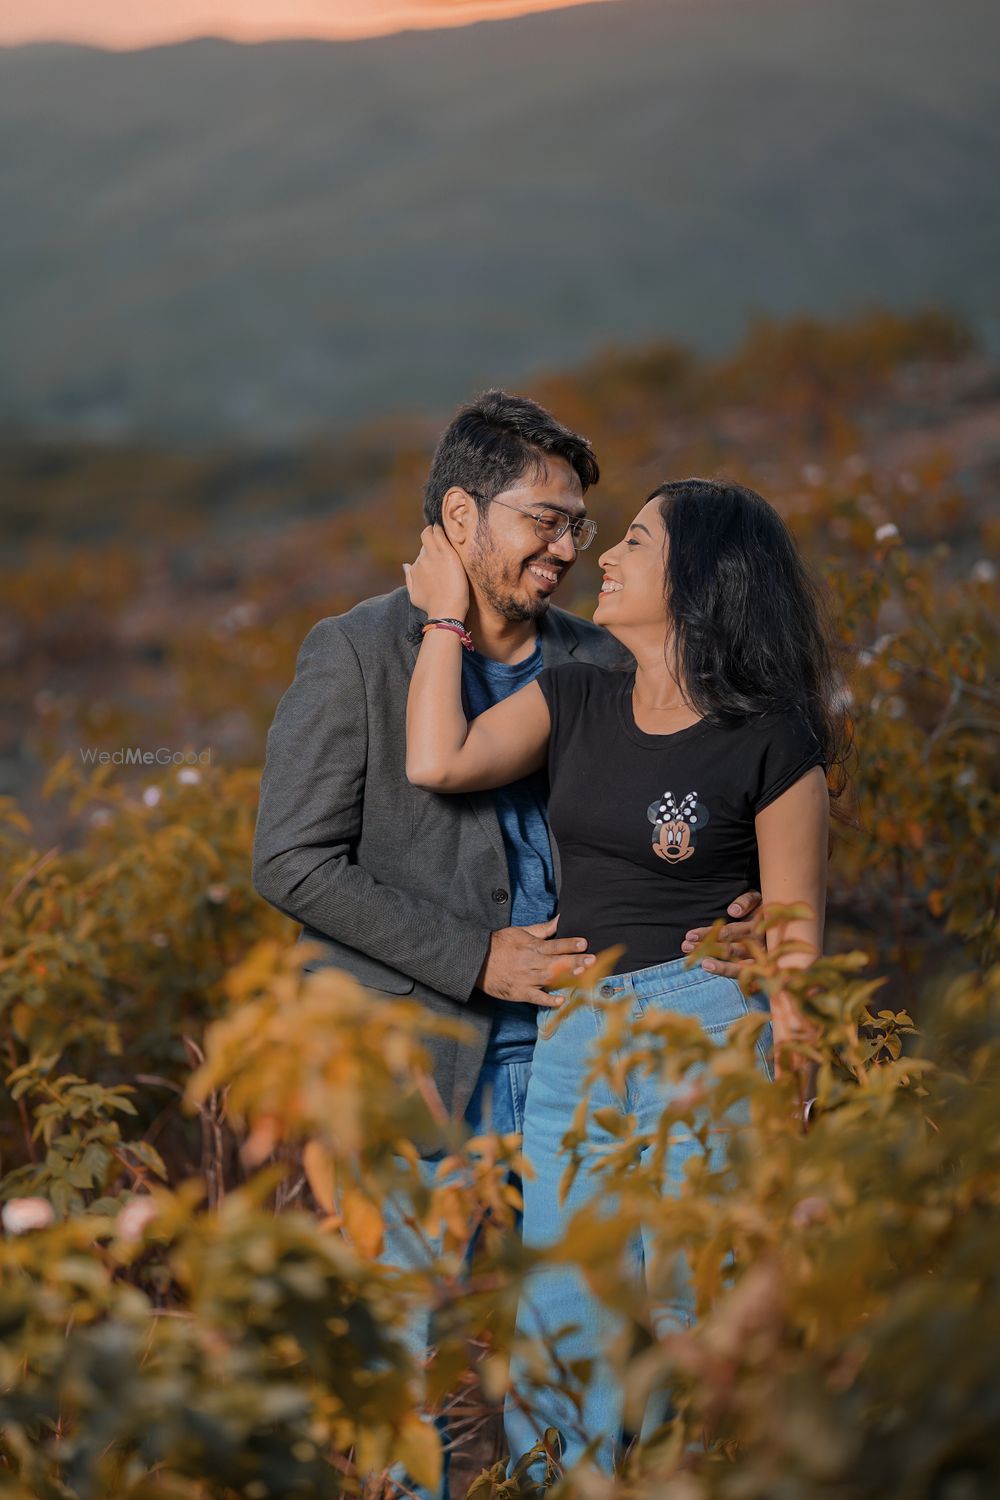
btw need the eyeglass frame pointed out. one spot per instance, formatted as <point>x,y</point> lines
<point>569,523</point>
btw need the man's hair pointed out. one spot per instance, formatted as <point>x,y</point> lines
<point>494,441</point>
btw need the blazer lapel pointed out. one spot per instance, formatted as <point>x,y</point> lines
<point>559,642</point>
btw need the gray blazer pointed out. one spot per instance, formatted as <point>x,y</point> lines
<point>402,887</point>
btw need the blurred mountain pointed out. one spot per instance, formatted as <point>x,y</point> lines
<point>212,242</point>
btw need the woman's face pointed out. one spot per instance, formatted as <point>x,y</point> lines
<point>632,594</point>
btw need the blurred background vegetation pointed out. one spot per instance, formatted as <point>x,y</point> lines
<point>167,1089</point>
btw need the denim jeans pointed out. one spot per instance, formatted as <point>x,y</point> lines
<point>497,1105</point>
<point>557,1298</point>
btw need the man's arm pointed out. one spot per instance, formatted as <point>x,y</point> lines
<point>310,820</point>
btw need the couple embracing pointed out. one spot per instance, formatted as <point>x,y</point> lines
<point>457,761</point>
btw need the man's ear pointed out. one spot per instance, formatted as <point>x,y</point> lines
<point>459,516</point>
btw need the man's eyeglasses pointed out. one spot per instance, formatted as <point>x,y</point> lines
<point>550,525</point>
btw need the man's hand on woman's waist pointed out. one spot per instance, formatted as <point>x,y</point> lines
<point>521,960</point>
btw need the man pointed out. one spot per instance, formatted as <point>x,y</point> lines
<point>450,899</point>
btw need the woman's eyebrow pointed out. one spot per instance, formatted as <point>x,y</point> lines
<point>638,526</point>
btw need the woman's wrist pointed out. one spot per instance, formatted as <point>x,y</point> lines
<point>452,627</point>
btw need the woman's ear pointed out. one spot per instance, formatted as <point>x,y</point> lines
<point>459,516</point>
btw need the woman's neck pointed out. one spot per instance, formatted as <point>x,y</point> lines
<point>660,703</point>
<point>656,684</point>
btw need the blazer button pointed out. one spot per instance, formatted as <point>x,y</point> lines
<point>500,896</point>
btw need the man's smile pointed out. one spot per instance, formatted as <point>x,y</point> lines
<point>546,573</point>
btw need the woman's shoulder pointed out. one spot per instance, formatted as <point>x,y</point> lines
<point>778,747</point>
<point>787,732</point>
<point>785,724</point>
<point>588,669</point>
<point>584,675</point>
<point>578,683</point>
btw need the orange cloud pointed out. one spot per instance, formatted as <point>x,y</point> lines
<point>122,24</point>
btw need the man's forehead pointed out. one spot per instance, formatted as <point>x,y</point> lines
<point>554,483</point>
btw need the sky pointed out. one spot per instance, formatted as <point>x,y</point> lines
<point>123,24</point>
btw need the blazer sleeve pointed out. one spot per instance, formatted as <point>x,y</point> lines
<point>309,821</point>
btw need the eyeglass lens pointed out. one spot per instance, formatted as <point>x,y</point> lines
<point>550,526</point>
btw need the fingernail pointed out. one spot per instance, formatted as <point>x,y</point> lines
<point>708,964</point>
<point>686,947</point>
<point>735,909</point>
<point>590,959</point>
<point>581,944</point>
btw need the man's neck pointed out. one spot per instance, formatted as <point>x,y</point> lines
<point>508,641</point>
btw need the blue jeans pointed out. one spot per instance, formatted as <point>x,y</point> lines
<point>558,1298</point>
<point>497,1105</point>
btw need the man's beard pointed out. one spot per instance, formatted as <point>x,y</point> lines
<point>502,592</point>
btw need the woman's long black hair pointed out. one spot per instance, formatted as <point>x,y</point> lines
<point>751,634</point>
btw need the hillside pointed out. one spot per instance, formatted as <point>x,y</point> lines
<point>213,242</point>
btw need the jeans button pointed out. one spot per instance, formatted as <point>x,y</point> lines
<point>606,991</point>
<point>500,896</point>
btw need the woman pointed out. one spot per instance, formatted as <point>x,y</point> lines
<point>670,784</point>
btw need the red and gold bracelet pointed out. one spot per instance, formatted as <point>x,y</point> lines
<point>455,626</point>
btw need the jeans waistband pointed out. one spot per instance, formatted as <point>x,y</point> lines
<point>677,974</point>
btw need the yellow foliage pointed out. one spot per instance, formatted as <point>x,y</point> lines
<point>185,1329</point>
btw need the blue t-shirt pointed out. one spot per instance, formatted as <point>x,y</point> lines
<point>521,809</point>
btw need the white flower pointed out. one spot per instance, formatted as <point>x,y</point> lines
<point>218,892</point>
<point>812,1210</point>
<point>887,531</point>
<point>966,777</point>
<point>188,775</point>
<point>239,617</point>
<point>134,1218</point>
<point>984,571</point>
<point>159,940</point>
<point>813,475</point>
<point>100,817</point>
<point>22,1214</point>
<point>151,796</point>
<point>867,656</point>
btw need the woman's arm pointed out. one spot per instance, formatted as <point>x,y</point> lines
<point>445,753</point>
<point>792,843</point>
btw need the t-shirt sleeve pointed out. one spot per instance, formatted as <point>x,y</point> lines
<point>788,750</point>
<point>548,681</point>
<point>564,689</point>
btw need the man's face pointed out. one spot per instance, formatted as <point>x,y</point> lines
<point>514,569</point>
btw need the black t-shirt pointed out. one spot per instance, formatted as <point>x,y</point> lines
<point>656,831</point>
